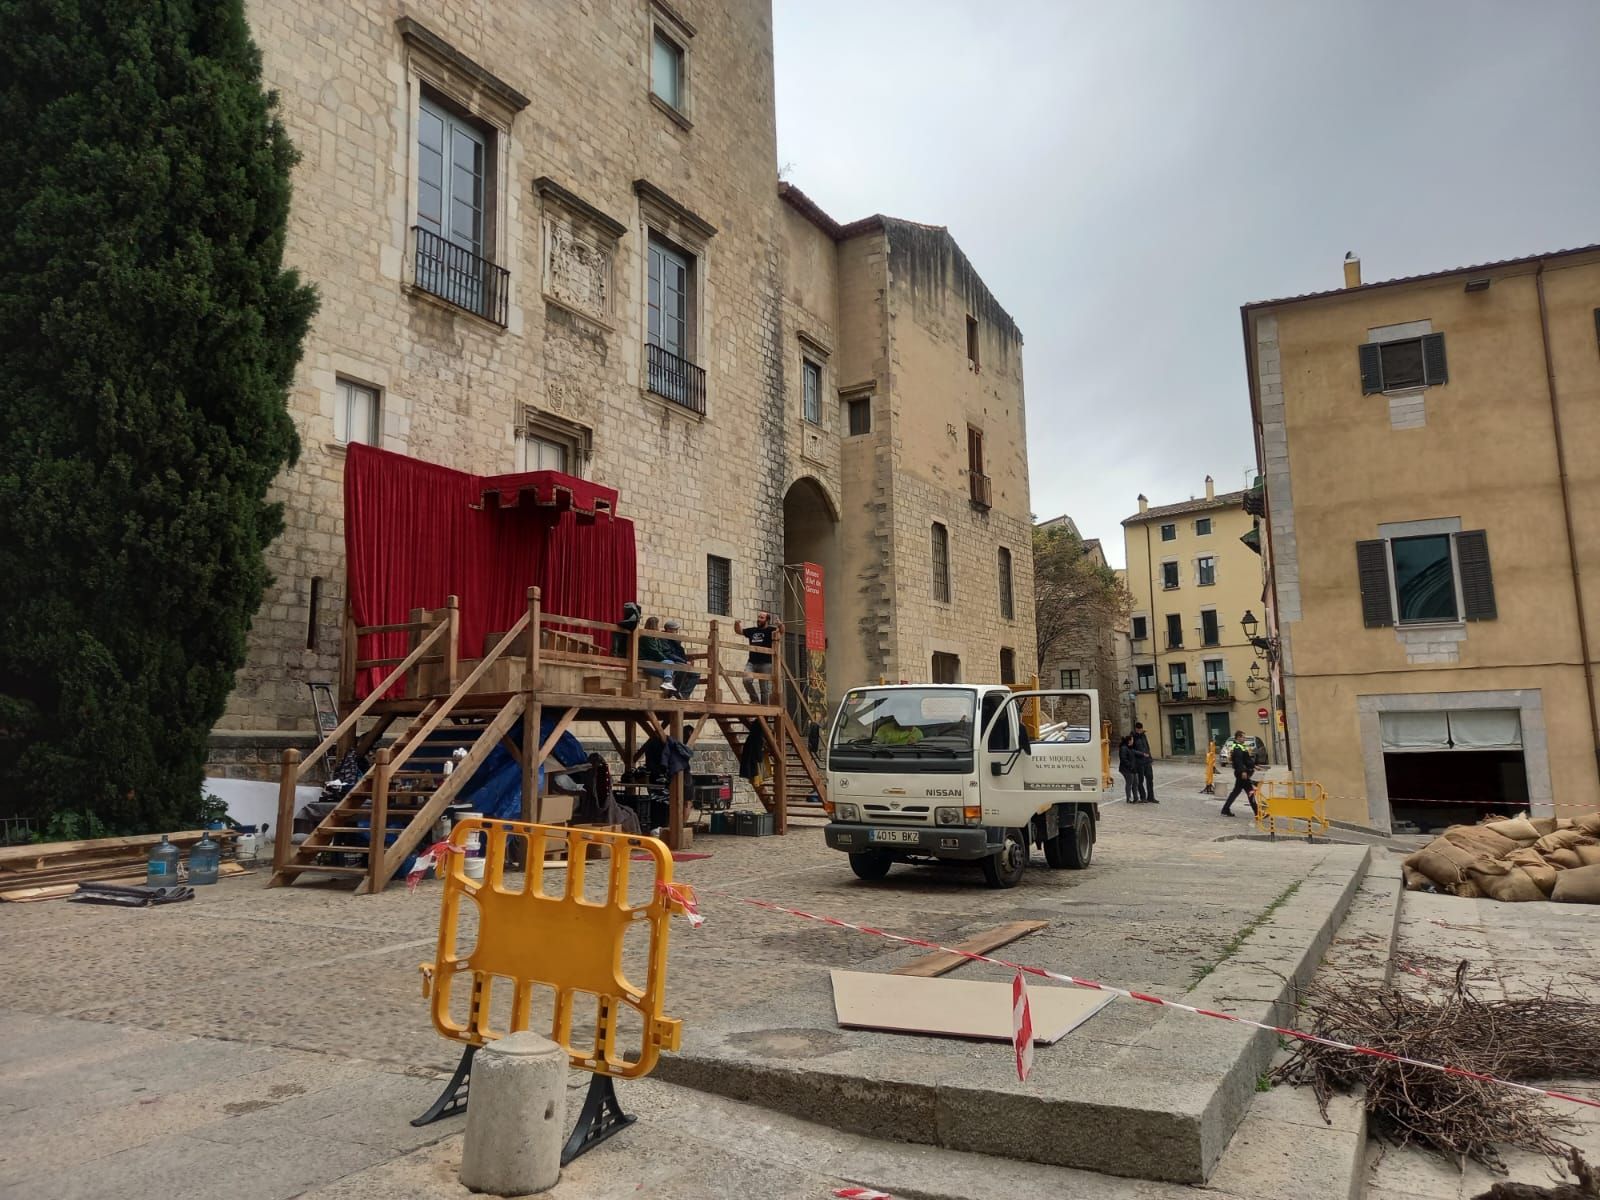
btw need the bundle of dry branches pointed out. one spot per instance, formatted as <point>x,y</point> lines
<point>1548,1036</point>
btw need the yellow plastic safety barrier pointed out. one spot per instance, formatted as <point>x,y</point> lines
<point>1290,806</point>
<point>568,942</point>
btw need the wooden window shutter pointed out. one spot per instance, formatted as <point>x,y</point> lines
<point>1371,368</point>
<point>1477,581</point>
<point>1372,565</point>
<point>1433,368</point>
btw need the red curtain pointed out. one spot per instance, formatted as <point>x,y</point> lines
<point>414,534</point>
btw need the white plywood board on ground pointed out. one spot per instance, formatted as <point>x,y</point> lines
<point>957,1007</point>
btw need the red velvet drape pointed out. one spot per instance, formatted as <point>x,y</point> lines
<point>416,532</point>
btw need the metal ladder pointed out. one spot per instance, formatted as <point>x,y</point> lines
<point>326,711</point>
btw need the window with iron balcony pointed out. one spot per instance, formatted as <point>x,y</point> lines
<point>670,327</point>
<point>453,239</point>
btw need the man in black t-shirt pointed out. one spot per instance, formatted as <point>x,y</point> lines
<point>760,637</point>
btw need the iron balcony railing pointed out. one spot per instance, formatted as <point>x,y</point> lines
<point>676,379</point>
<point>457,275</point>
<point>1198,690</point>
<point>982,490</point>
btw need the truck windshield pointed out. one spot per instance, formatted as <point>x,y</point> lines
<point>890,728</point>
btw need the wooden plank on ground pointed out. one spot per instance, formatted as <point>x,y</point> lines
<point>942,961</point>
<point>23,855</point>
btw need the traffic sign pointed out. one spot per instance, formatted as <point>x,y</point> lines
<point>1262,713</point>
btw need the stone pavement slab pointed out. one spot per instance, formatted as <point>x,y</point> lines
<point>1136,1089</point>
<point>1513,950</point>
<point>286,1026</point>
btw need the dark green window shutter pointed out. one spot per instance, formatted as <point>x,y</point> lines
<point>1433,369</point>
<point>1477,581</point>
<point>1371,368</point>
<point>1372,565</point>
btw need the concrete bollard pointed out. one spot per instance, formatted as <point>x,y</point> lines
<point>516,1117</point>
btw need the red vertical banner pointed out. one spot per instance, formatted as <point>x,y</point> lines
<point>816,629</point>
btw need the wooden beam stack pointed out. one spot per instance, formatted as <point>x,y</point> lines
<point>28,872</point>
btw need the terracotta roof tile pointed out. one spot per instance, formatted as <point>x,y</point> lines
<point>1222,500</point>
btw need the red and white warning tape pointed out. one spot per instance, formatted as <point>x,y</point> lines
<point>1021,1026</point>
<point>427,860</point>
<point>675,892</point>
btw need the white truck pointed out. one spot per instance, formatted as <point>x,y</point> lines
<point>955,772</point>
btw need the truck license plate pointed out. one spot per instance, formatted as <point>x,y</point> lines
<point>895,835</point>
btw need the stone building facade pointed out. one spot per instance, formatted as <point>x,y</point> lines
<point>1431,455</point>
<point>1193,576</point>
<point>552,236</point>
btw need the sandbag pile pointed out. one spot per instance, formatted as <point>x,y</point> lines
<point>1520,858</point>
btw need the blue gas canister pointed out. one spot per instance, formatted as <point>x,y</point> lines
<point>161,869</point>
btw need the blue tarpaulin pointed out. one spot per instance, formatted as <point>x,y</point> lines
<point>495,790</point>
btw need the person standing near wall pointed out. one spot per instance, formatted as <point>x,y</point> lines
<point>1145,762</point>
<point>1128,766</point>
<point>760,637</point>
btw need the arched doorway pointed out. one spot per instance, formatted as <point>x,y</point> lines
<point>810,536</point>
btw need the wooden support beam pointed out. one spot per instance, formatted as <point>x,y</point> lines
<point>533,711</point>
<point>282,833</point>
<point>452,642</point>
<point>713,664</point>
<point>549,744</point>
<point>612,738</point>
<point>780,743</point>
<point>654,722</point>
<point>379,829</point>
<point>942,961</point>
<point>676,792</point>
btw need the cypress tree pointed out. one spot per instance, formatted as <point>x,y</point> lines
<point>148,338</point>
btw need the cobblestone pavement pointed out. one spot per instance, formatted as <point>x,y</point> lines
<point>289,1025</point>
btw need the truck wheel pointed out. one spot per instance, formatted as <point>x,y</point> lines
<point>1076,842</point>
<point>1003,868</point>
<point>870,864</point>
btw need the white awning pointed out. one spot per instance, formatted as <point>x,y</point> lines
<point>1415,731</point>
<point>1486,729</point>
<point>1465,729</point>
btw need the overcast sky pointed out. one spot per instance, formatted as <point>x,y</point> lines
<point>1124,175</point>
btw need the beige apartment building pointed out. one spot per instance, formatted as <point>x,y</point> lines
<point>1196,583</point>
<point>551,236</point>
<point>1431,451</point>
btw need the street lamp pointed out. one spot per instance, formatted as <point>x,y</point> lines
<point>1264,646</point>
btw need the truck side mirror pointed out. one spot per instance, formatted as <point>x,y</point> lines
<point>997,768</point>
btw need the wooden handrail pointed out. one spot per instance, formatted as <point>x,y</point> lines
<point>397,627</point>
<point>488,739</point>
<point>466,686</point>
<point>373,696</point>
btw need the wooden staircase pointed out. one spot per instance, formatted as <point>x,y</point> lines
<point>803,778</point>
<point>787,786</point>
<point>404,794</point>
<point>407,790</point>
